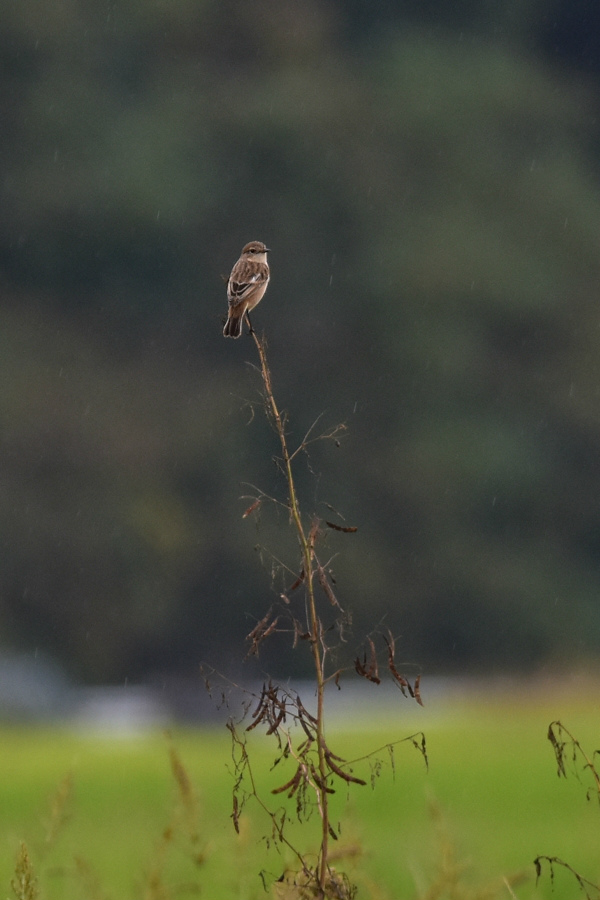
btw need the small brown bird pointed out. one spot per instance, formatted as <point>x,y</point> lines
<point>246,286</point>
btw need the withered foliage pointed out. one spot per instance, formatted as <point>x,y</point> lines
<point>274,708</point>
<point>278,710</point>
<point>261,631</point>
<point>252,508</point>
<point>590,890</point>
<point>297,582</point>
<point>570,755</point>
<point>270,708</point>
<point>567,749</point>
<point>316,618</point>
<point>326,586</point>
<point>285,620</point>
<point>368,667</point>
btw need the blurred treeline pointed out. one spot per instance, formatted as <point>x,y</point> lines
<point>426,175</point>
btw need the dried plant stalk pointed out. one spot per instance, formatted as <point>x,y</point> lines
<point>318,772</point>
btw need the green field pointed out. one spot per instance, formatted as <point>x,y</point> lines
<point>491,801</point>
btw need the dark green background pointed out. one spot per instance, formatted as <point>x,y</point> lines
<point>427,176</point>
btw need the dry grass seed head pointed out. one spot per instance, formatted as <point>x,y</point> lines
<point>24,884</point>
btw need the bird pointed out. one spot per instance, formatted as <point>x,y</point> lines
<point>246,286</point>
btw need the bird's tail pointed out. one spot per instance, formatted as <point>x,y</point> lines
<point>233,326</point>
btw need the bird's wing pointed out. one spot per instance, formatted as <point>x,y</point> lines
<point>244,281</point>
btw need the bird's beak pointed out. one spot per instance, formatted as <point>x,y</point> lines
<point>267,249</point>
